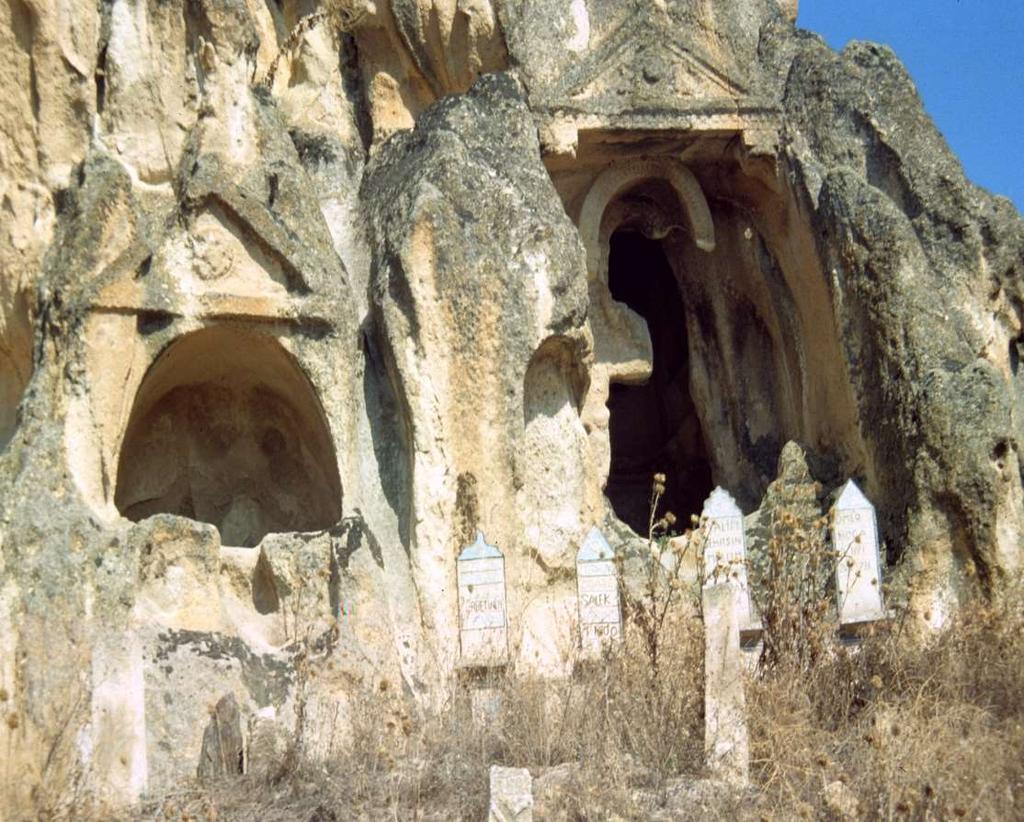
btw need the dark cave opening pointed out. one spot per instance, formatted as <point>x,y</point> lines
<point>654,427</point>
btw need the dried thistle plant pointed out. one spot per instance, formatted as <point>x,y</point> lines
<point>340,16</point>
<point>792,580</point>
<point>663,583</point>
<point>933,731</point>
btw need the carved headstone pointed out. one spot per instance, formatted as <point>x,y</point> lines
<point>858,565</point>
<point>483,623</point>
<point>725,552</point>
<point>222,751</point>
<point>726,741</point>
<point>725,549</point>
<point>597,588</point>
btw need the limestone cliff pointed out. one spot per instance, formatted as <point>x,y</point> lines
<point>297,295</point>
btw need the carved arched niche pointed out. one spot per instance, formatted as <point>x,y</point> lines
<point>227,429</point>
<point>552,455</point>
<point>639,412</point>
<point>596,223</point>
<point>707,296</point>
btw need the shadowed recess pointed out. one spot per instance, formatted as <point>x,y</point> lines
<point>654,427</point>
<point>227,429</point>
<point>15,363</point>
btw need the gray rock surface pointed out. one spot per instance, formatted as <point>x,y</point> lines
<point>223,752</point>
<point>926,270</point>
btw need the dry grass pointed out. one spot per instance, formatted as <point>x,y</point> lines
<point>622,728</point>
<point>886,730</point>
<point>926,731</point>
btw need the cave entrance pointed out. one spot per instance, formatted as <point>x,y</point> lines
<point>227,429</point>
<point>654,427</point>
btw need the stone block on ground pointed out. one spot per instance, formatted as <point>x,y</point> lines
<point>511,798</point>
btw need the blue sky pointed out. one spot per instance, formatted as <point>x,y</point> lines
<point>967,58</point>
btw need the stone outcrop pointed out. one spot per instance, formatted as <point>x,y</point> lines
<point>295,297</point>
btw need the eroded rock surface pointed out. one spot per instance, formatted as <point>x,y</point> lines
<point>295,297</point>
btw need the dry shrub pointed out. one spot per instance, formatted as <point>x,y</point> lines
<point>912,730</point>
<point>895,729</point>
<point>887,726</point>
<point>649,607</point>
<point>792,574</point>
<point>884,728</point>
<point>624,731</point>
<point>618,730</point>
<point>620,711</point>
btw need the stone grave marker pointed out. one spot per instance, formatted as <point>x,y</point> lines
<point>483,623</point>
<point>726,740</point>
<point>858,565</point>
<point>597,589</point>
<point>725,552</point>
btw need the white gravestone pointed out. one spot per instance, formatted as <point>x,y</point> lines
<point>597,588</point>
<point>858,566</point>
<point>483,624</point>
<point>725,552</point>
<point>726,740</point>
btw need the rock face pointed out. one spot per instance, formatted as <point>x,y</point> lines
<point>295,297</point>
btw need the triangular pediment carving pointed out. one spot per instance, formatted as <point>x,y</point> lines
<point>214,261</point>
<point>649,60</point>
<point>229,258</point>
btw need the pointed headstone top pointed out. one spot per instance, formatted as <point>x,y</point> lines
<point>852,498</point>
<point>859,569</point>
<point>594,547</point>
<point>721,504</point>
<point>480,549</point>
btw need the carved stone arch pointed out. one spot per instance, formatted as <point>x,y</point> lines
<point>640,414</point>
<point>227,428</point>
<point>615,180</point>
